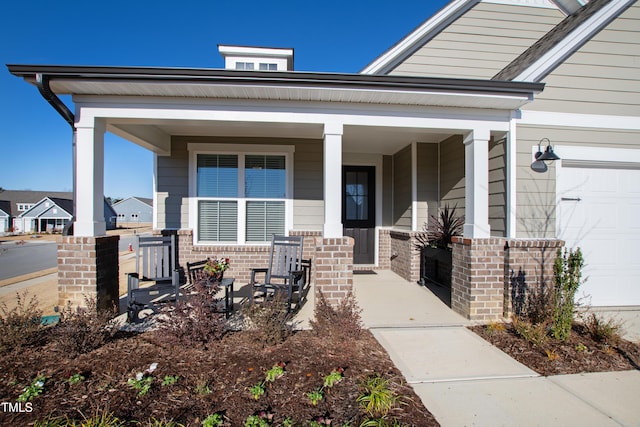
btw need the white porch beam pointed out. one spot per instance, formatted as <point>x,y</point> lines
<point>511,168</point>
<point>332,180</point>
<point>414,186</point>
<point>90,181</point>
<point>149,137</point>
<point>476,180</point>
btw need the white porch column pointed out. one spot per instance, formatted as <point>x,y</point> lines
<point>90,181</point>
<point>332,180</point>
<point>476,160</point>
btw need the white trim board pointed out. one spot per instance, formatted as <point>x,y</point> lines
<point>579,120</point>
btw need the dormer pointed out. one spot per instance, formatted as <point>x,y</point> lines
<point>256,58</point>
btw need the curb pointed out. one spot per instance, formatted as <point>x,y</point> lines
<point>35,274</point>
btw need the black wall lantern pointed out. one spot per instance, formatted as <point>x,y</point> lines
<point>539,164</point>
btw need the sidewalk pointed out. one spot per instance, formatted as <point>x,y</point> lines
<point>465,381</point>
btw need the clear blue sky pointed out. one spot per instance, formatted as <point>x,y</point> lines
<point>35,142</point>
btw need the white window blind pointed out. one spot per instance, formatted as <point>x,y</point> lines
<point>264,219</point>
<point>218,220</point>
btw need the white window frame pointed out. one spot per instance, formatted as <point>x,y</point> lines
<point>241,150</point>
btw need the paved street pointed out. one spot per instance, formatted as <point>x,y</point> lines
<point>19,259</point>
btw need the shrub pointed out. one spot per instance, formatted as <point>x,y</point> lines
<point>604,331</point>
<point>21,325</point>
<point>440,229</point>
<point>342,322</point>
<point>539,305</point>
<point>83,330</point>
<point>268,322</point>
<point>535,333</point>
<point>567,272</point>
<point>195,320</point>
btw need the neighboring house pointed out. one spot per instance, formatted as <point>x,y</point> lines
<point>134,210</point>
<point>5,215</point>
<point>44,211</point>
<point>49,215</point>
<point>452,114</point>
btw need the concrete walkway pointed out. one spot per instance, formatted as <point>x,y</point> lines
<point>465,381</point>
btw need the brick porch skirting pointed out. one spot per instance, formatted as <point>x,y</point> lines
<point>88,267</point>
<point>491,276</point>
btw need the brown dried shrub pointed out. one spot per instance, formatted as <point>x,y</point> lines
<point>268,323</point>
<point>195,320</point>
<point>84,329</point>
<point>21,325</point>
<point>340,322</point>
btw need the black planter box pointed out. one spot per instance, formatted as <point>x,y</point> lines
<point>435,266</point>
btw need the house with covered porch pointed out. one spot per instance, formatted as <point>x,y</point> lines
<point>356,163</point>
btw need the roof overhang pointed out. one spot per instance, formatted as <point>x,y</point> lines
<point>281,86</point>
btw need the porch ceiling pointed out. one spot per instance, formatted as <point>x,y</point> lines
<point>356,139</point>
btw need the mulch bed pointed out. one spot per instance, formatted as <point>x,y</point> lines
<point>228,368</point>
<point>577,355</point>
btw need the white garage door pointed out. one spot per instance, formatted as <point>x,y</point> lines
<point>599,211</point>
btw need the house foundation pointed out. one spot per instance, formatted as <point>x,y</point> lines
<point>88,267</point>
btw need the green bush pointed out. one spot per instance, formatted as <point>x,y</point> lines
<point>567,274</point>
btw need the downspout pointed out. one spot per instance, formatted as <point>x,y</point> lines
<point>42,82</point>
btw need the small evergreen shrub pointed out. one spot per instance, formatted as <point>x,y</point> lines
<point>567,274</point>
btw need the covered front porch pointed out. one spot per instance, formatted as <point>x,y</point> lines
<point>355,164</point>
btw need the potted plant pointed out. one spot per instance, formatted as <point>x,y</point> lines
<point>434,243</point>
<point>215,268</point>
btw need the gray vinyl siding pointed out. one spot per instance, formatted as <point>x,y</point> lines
<point>452,186</point>
<point>402,193</point>
<point>308,204</point>
<point>172,187</point>
<point>497,189</point>
<point>427,182</point>
<point>535,192</point>
<point>173,181</point>
<point>481,42</point>
<point>387,191</point>
<point>602,77</point>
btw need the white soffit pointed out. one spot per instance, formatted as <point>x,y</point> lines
<point>294,93</point>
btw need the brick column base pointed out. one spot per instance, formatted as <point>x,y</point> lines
<point>88,267</point>
<point>334,268</point>
<point>528,267</point>
<point>405,257</point>
<point>477,279</point>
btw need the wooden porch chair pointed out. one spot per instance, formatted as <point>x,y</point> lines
<point>287,272</point>
<point>156,279</point>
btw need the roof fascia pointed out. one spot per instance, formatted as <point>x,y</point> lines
<point>573,41</point>
<point>24,214</point>
<point>272,78</point>
<point>418,37</point>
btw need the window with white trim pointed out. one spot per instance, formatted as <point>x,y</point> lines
<point>263,66</point>
<point>244,65</point>
<point>240,197</point>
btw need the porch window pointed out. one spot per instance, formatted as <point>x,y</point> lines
<point>240,197</point>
